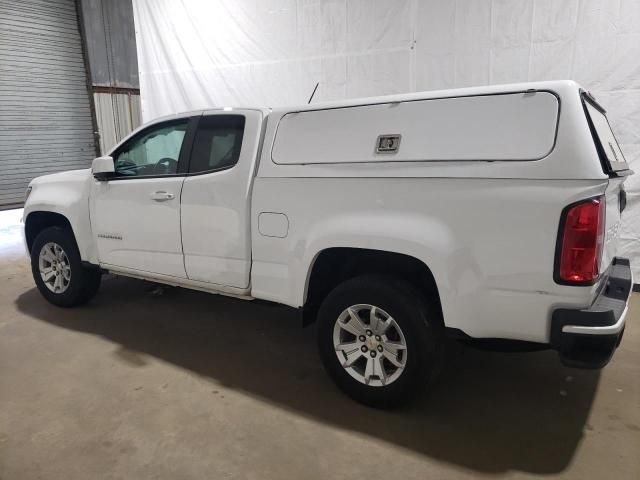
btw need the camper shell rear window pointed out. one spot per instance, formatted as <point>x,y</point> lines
<point>611,155</point>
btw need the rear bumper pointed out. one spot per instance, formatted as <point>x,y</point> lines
<point>588,338</point>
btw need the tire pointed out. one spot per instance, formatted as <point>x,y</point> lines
<point>61,258</point>
<point>383,384</point>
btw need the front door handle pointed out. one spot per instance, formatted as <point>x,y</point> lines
<point>162,196</point>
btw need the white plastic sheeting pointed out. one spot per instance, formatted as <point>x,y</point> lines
<point>201,53</point>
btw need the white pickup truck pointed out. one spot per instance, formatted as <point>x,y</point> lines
<point>485,213</point>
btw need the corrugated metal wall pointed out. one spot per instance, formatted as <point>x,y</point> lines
<point>109,34</point>
<point>45,113</point>
<point>117,115</point>
<point>111,43</point>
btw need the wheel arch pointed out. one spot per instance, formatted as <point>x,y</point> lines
<point>332,266</point>
<point>36,221</point>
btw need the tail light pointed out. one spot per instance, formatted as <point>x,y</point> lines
<point>580,241</point>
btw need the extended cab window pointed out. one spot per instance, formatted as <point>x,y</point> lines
<point>154,151</point>
<point>217,143</point>
<point>601,129</point>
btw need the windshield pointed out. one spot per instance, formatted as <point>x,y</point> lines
<point>608,147</point>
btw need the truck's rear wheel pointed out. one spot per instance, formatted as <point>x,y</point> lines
<point>58,271</point>
<point>379,339</point>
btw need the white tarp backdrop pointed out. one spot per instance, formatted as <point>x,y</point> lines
<point>202,53</point>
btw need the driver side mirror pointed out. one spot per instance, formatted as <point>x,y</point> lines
<point>103,168</point>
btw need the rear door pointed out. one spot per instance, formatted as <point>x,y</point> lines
<point>215,208</point>
<point>615,165</point>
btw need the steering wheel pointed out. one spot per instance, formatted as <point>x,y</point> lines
<point>165,166</point>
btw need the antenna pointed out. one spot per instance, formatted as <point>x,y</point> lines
<point>313,93</point>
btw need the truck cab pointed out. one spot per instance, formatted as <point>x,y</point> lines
<point>172,202</point>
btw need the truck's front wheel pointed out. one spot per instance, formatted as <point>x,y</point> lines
<point>58,271</point>
<point>379,339</point>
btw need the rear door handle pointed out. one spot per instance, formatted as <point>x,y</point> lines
<point>162,196</point>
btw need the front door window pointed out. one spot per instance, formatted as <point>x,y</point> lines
<point>153,152</point>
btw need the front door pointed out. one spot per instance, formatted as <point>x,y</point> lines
<point>135,217</point>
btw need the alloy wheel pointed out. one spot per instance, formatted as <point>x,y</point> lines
<point>370,345</point>
<point>55,268</point>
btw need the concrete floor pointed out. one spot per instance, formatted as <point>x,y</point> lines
<point>189,386</point>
